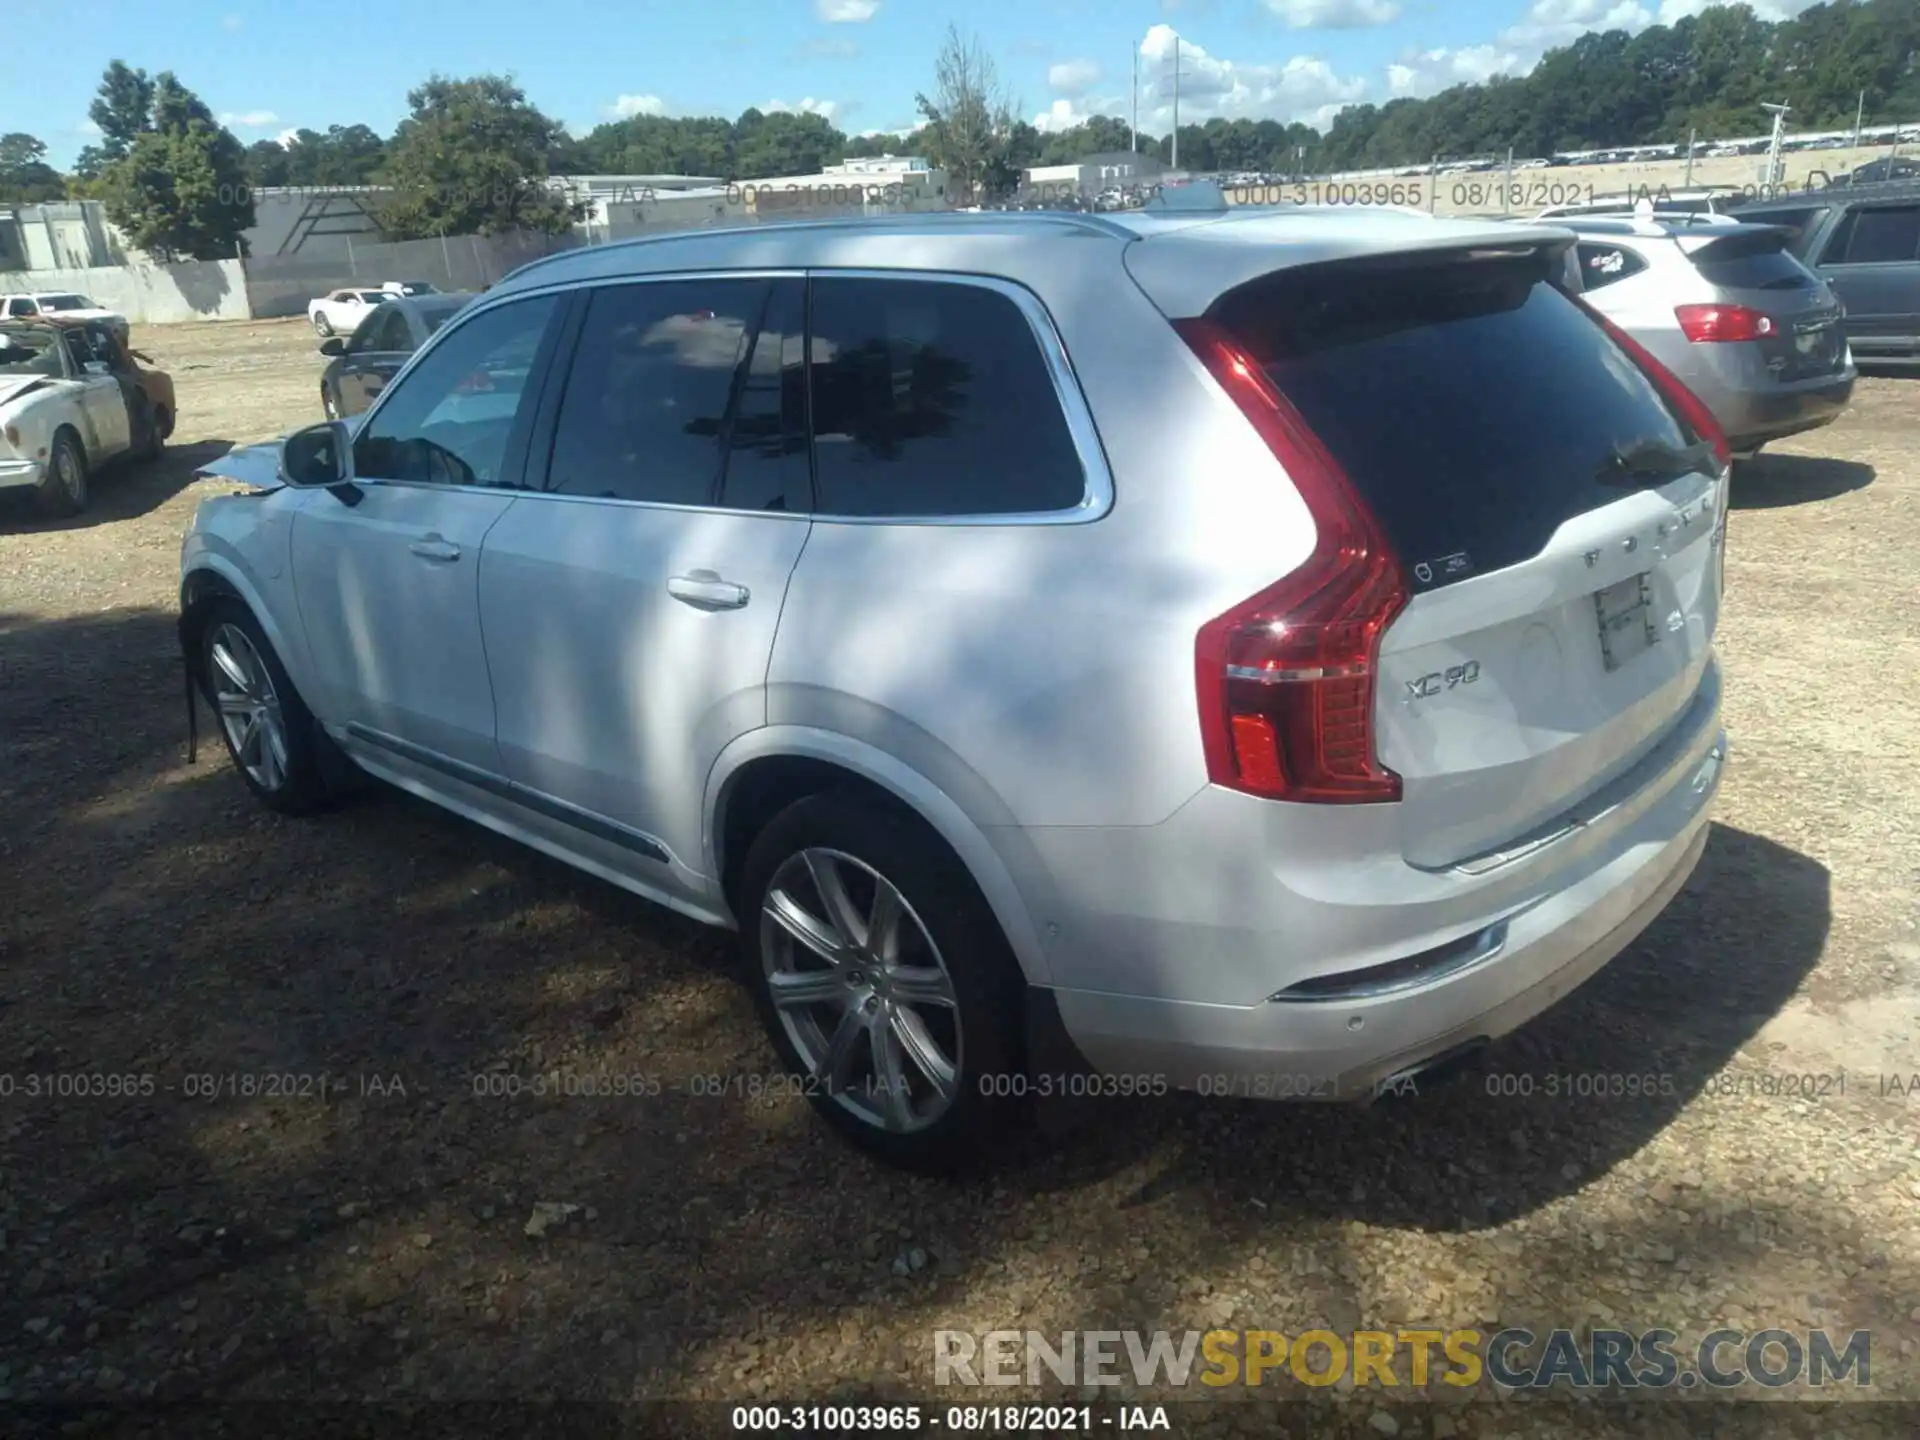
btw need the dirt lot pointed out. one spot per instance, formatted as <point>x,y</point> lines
<point>372,1245</point>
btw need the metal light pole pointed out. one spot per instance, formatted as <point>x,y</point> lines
<point>1133,117</point>
<point>1859,115</point>
<point>1693,137</point>
<point>1176,102</point>
<point>1780,113</point>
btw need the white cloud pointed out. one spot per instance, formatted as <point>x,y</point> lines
<point>846,12</point>
<point>905,127</point>
<point>248,119</point>
<point>232,22</point>
<point>1073,77</point>
<point>1672,10</point>
<point>1420,73</point>
<point>625,107</point>
<point>286,137</point>
<point>87,127</point>
<point>825,109</point>
<point>1551,23</point>
<point>1304,88</point>
<point>1335,14</point>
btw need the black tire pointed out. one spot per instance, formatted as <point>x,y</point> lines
<point>163,422</point>
<point>154,443</point>
<point>323,327</point>
<point>302,786</point>
<point>977,1123</point>
<point>65,491</point>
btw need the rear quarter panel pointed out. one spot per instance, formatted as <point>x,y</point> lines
<point>1043,674</point>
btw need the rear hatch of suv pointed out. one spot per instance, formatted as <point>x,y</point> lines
<point>1519,568</point>
<point>1761,293</point>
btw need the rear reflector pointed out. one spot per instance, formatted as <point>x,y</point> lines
<point>1689,406</point>
<point>1708,324</point>
<point>1286,678</point>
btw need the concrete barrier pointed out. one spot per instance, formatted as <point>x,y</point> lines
<point>150,294</point>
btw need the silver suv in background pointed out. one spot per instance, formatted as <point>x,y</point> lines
<point>1754,333</point>
<point>1263,652</point>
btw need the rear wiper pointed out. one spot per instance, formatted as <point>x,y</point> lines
<point>1650,462</point>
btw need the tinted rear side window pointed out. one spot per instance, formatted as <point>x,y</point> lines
<point>932,398</point>
<point>1876,236</point>
<point>1603,264</point>
<point>1471,403</point>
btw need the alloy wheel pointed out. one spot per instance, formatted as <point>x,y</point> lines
<point>67,474</point>
<point>248,706</point>
<point>861,990</point>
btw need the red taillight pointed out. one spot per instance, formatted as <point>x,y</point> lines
<point>1709,324</point>
<point>1692,409</point>
<point>1286,679</point>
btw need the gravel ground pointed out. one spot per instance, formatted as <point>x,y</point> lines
<point>373,1244</point>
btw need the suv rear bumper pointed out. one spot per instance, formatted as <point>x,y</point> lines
<point>1752,418</point>
<point>1343,1049</point>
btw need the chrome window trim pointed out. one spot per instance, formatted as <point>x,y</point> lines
<point>1097,479</point>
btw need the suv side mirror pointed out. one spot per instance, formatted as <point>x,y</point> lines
<point>318,457</point>
<point>97,367</point>
<point>333,345</point>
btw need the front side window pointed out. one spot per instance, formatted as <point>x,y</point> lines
<point>449,419</point>
<point>653,380</point>
<point>29,352</point>
<point>384,330</point>
<point>933,398</point>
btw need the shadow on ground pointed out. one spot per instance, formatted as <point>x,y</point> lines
<point>119,490</point>
<point>1767,482</point>
<point>337,1031</point>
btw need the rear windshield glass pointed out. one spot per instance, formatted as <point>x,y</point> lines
<point>1474,405</point>
<point>1755,263</point>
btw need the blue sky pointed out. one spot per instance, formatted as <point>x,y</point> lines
<point>266,68</point>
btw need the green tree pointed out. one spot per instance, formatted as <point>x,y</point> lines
<point>268,164</point>
<point>180,191</point>
<point>25,176</point>
<point>969,115</point>
<point>471,159</point>
<point>122,108</point>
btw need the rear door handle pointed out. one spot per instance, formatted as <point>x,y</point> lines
<point>432,547</point>
<point>705,590</point>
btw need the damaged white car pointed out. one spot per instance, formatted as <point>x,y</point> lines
<point>62,414</point>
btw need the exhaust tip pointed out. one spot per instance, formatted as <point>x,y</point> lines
<point>1433,1072</point>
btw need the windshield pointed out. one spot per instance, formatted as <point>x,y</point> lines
<point>66,302</point>
<point>374,297</point>
<point>29,352</point>
<point>416,287</point>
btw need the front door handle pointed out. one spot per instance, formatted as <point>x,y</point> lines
<point>705,590</point>
<point>432,547</point>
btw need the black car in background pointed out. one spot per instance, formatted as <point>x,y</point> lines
<point>1864,240</point>
<point>364,362</point>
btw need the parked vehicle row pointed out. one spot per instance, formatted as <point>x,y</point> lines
<point>73,398</point>
<point>1033,632</point>
<point>1726,307</point>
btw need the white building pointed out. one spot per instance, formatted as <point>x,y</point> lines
<point>1094,173</point>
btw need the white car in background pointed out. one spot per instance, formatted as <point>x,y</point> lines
<point>69,303</point>
<point>341,312</point>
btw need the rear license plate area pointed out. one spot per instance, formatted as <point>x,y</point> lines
<point>1627,625</point>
